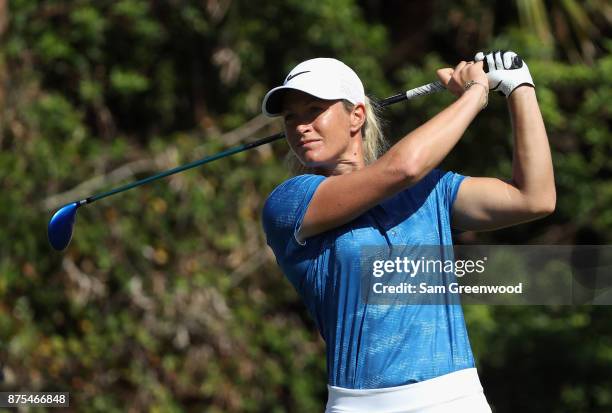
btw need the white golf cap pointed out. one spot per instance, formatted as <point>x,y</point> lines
<point>323,77</point>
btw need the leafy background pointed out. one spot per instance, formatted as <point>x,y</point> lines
<point>168,299</point>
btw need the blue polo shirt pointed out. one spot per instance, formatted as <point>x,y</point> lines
<point>371,345</point>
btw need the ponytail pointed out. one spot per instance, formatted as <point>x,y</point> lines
<point>374,143</point>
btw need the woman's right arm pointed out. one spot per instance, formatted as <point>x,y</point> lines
<point>342,198</point>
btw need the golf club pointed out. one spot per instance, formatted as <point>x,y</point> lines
<point>61,225</point>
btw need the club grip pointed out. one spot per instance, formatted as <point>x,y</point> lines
<point>413,93</point>
<point>425,90</point>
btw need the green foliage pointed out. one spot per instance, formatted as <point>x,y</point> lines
<point>168,298</point>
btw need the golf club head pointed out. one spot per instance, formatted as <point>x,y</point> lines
<point>61,226</point>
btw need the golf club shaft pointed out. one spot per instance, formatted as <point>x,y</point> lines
<point>190,165</point>
<point>410,94</point>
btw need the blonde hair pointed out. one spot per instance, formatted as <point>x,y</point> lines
<point>374,143</point>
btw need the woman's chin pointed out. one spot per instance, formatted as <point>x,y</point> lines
<point>313,159</point>
<point>309,161</point>
<point>313,162</point>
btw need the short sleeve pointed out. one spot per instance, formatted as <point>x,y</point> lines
<point>451,182</point>
<point>284,211</point>
<point>449,187</point>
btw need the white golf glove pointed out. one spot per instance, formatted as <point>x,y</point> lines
<point>506,70</point>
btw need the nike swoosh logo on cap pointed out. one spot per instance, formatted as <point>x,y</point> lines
<point>296,74</point>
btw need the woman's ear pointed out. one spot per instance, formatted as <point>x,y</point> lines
<point>358,117</point>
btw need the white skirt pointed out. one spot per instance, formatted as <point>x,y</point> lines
<point>456,392</point>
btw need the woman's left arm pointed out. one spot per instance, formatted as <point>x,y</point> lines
<point>484,204</point>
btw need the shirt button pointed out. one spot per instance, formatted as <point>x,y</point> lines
<point>392,232</point>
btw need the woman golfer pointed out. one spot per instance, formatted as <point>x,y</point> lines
<point>399,358</point>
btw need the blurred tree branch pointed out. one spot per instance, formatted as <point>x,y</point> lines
<point>160,162</point>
